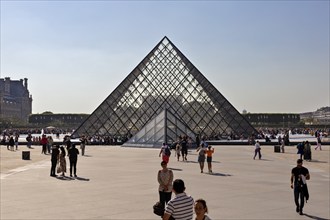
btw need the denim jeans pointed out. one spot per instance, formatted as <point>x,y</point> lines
<point>298,193</point>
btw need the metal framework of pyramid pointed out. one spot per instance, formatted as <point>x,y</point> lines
<point>164,128</point>
<point>165,79</point>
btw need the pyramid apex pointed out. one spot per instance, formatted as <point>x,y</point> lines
<point>165,38</point>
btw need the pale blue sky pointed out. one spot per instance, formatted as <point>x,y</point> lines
<point>263,56</point>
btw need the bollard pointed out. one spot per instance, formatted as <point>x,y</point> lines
<point>25,155</point>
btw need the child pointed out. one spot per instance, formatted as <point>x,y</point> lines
<point>209,153</point>
<point>178,150</point>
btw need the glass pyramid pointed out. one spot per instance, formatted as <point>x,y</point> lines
<point>164,128</point>
<point>165,79</point>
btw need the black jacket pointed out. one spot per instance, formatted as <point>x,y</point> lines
<point>73,153</point>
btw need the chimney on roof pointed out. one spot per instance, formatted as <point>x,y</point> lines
<point>7,85</point>
<point>26,83</point>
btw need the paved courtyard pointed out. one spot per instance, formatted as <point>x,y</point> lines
<point>121,183</point>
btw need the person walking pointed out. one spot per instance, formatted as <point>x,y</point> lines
<point>282,145</point>
<point>184,148</point>
<point>165,152</point>
<point>257,150</point>
<point>50,142</point>
<point>73,157</point>
<point>11,143</point>
<point>165,179</point>
<point>201,209</point>
<point>29,141</point>
<point>318,141</point>
<point>83,142</point>
<point>178,151</point>
<point>181,206</point>
<point>279,139</point>
<point>16,141</point>
<point>61,159</point>
<point>201,156</point>
<point>299,175</point>
<point>209,151</point>
<point>307,151</point>
<point>54,159</point>
<point>44,142</point>
<point>300,148</point>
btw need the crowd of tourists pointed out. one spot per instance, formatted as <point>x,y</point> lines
<point>182,205</point>
<point>269,135</point>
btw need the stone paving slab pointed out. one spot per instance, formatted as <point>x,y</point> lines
<point>121,183</point>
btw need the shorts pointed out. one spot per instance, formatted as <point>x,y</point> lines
<point>209,159</point>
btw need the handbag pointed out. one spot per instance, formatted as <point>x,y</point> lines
<point>159,209</point>
<point>58,170</point>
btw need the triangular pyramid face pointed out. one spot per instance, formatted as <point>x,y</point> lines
<point>165,79</point>
<point>164,128</point>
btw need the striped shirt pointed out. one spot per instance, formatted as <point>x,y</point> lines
<point>181,207</point>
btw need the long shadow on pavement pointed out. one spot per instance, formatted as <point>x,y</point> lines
<point>176,169</point>
<point>81,178</point>
<point>315,217</point>
<point>64,178</point>
<point>218,174</point>
<point>318,161</point>
<point>71,178</point>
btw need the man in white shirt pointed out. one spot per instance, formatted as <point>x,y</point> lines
<point>181,206</point>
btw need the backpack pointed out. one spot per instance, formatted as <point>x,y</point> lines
<point>167,151</point>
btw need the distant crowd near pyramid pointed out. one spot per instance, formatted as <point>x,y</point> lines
<point>164,97</point>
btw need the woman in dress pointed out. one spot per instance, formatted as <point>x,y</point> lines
<point>178,150</point>
<point>62,161</point>
<point>201,156</point>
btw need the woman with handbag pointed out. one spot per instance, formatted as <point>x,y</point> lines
<point>165,179</point>
<point>62,164</point>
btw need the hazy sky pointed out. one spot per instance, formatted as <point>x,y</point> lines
<point>263,56</point>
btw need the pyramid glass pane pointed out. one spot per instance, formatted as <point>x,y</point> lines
<point>165,79</point>
<point>165,127</point>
